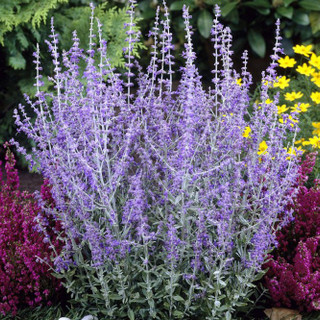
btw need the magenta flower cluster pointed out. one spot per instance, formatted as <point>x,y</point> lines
<point>24,281</point>
<point>166,205</point>
<point>293,278</point>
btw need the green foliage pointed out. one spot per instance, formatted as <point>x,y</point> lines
<point>14,13</point>
<point>46,313</point>
<point>251,22</point>
<point>17,19</point>
<point>24,23</point>
<point>113,19</point>
<point>152,293</point>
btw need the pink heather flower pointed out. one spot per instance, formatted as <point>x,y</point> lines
<point>23,279</point>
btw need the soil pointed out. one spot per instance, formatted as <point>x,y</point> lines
<point>28,181</point>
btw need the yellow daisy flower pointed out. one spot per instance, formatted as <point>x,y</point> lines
<point>304,50</point>
<point>262,148</point>
<point>315,97</point>
<point>281,82</point>
<point>281,109</point>
<point>315,61</point>
<point>316,78</point>
<point>316,125</point>
<point>305,69</point>
<point>299,141</point>
<point>300,107</point>
<point>246,132</point>
<point>292,152</point>
<point>286,62</point>
<point>290,96</point>
<point>269,101</point>
<point>239,82</point>
<point>314,142</point>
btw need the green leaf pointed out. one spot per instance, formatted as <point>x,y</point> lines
<point>204,23</point>
<point>263,11</point>
<point>287,2</point>
<point>258,4</point>
<point>22,39</point>
<point>315,22</point>
<point>131,314</point>
<point>285,12</point>
<point>227,8</point>
<point>257,42</point>
<point>301,18</point>
<point>177,298</point>
<point>178,314</point>
<point>114,297</point>
<point>17,61</point>
<point>313,5</point>
<point>149,13</point>
<point>178,5</point>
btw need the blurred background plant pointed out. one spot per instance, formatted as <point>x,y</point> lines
<point>24,23</point>
<point>251,23</point>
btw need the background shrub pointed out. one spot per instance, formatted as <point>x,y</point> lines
<point>24,281</point>
<point>23,24</point>
<point>251,23</point>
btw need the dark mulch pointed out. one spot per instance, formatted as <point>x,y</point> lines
<point>28,181</point>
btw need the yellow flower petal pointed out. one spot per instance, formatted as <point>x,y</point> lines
<point>305,69</point>
<point>281,82</point>
<point>290,96</point>
<point>315,97</point>
<point>246,132</point>
<point>315,61</point>
<point>304,50</point>
<point>286,62</point>
<point>262,148</point>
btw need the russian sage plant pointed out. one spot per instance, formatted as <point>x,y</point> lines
<point>168,198</point>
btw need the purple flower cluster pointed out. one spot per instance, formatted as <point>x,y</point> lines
<point>162,177</point>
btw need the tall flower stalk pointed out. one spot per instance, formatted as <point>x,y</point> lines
<point>168,205</point>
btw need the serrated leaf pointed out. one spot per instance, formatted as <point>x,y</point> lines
<point>22,39</point>
<point>17,61</point>
<point>257,42</point>
<point>315,22</point>
<point>312,5</point>
<point>301,18</point>
<point>227,8</point>
<point>285,12</point>
<point>205,23</point>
